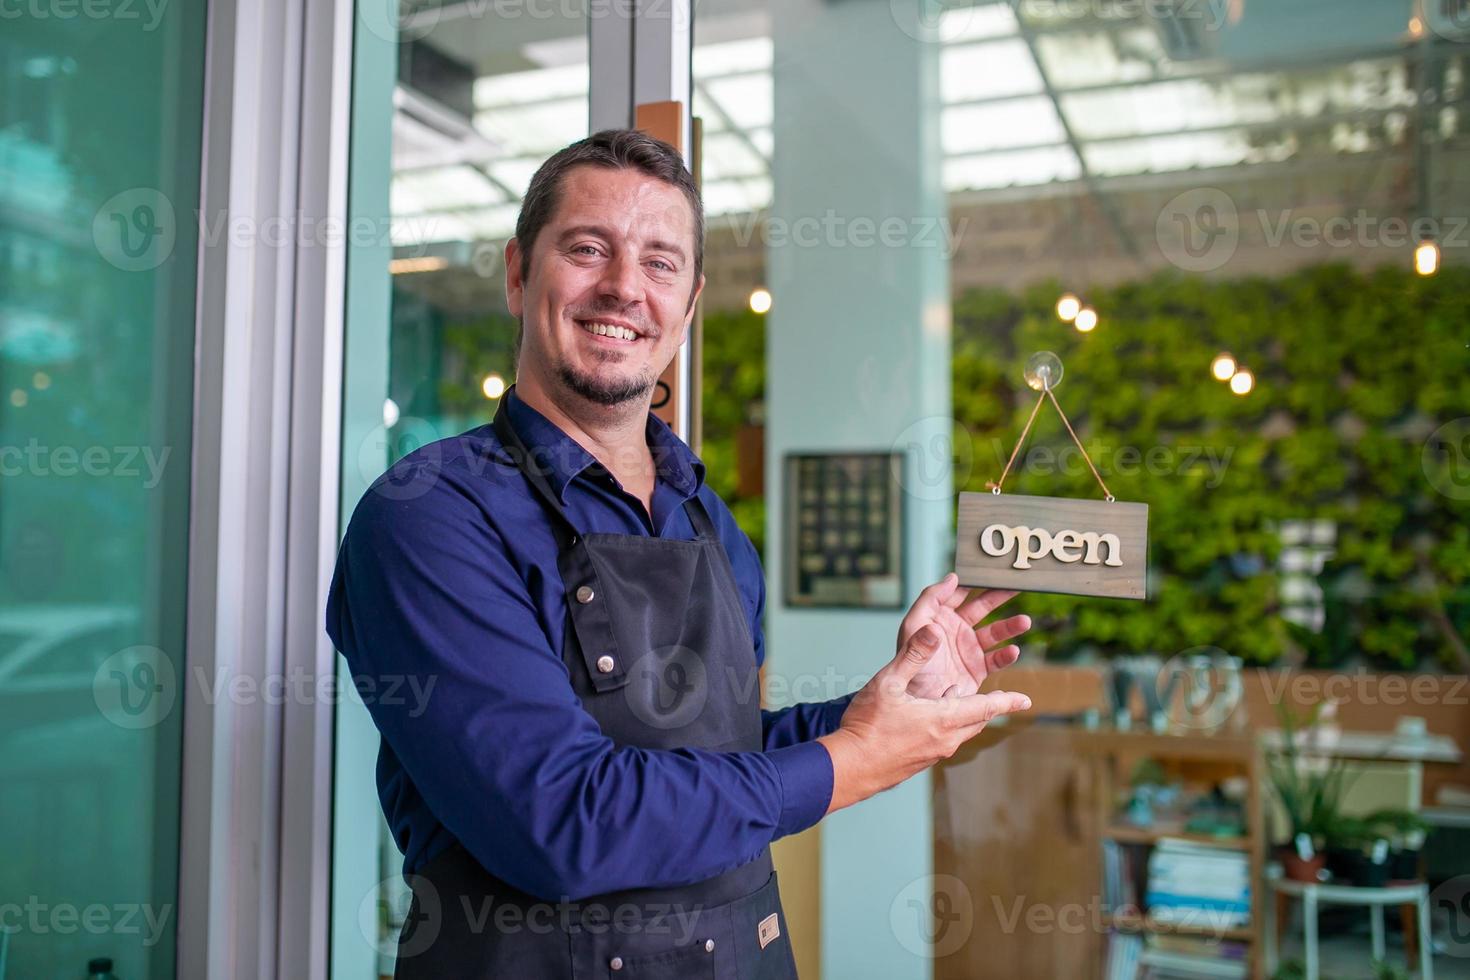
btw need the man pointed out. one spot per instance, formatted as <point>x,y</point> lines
<point>592,787</point>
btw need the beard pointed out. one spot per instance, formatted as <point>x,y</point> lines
<point>608,392</point>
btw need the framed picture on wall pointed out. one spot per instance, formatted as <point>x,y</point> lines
<point>843,520</point>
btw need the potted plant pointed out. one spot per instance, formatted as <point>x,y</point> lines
<point>1343,847</point>
<point>1405,831</point>
<point>1310,791</point>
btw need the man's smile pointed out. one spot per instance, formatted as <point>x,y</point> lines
<point>619,333</point>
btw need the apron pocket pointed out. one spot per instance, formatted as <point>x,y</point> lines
<point>761,942</point>
<point>687,963</point>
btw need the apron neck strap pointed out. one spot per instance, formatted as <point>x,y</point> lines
<point>511,440</point>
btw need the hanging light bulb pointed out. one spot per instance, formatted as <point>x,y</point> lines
<point>760,300</point>
<point>1223,367</point>
<point>1242,382</point>
<point>493,386</point>
<point>1086,319</point>
<point>1068,307</point>
<point>1426,258</point>
<point>390,413</point>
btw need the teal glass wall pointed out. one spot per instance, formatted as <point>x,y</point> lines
<point>100,128</point>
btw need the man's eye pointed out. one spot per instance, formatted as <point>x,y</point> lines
<point>661,264</point>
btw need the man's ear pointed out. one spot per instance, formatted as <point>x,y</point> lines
<point>514,285</point>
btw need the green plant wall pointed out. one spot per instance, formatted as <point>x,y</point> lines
<point>1354,374</point>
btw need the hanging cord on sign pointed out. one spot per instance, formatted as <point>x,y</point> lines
<point>1045,394</point>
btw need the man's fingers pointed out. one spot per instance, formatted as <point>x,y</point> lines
<point>914,655</point>
<point>1002,658</point>
<point>983,602</point>
<point>939,594</point>
<point>994,634</point>
<point>977,709</point>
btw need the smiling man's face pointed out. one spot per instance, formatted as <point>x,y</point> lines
<point>610,291</point>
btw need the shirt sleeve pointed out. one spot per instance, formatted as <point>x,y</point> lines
<point>803,722</point>
<point>501,749</point>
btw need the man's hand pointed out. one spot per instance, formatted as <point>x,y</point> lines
<point>888,734</point>
<point>968,654</point>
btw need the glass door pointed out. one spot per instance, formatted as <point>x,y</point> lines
<point>454,108</point>
<point>100,130</point>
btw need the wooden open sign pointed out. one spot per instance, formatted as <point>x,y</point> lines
<point>1053,544</point>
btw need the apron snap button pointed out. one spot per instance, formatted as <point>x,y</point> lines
<point>585,594</point>
<point>709,945</point>
<point>616,963</point>
<point>605,664</point>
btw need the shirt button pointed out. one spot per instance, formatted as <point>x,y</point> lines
<point>616,963</point>
<point>605,664</point>
<point>709,945</point>
<point>585,594</point>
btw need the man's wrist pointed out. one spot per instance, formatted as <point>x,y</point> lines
<point>846,751</point>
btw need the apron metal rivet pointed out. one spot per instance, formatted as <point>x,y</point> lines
<point>616,963</point>
<point>605,664</point>
<point>709,945</point>
<point>585,594</point>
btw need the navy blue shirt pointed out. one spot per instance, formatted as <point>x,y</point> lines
<point>447,595</point>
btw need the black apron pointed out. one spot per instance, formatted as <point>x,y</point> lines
<point>661,655</point>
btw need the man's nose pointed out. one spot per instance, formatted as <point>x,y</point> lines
<point>623,278</point>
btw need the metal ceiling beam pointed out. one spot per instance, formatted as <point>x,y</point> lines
<point>1104,203</point>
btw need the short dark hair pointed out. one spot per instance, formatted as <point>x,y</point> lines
<point>611,149</point>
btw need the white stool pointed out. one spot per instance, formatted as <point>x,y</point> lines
<point>1313,896</point>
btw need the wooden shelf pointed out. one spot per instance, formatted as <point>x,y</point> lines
<point>1134,923</point>
<point>1150,835</point>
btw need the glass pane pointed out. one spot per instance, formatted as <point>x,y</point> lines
<point>1259,210</point>
<point>483,94</point>
<point>100,121</point>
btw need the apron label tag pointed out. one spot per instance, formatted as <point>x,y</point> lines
<point>769,930</point>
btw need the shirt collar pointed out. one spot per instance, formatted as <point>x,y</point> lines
<point>564,458</point>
